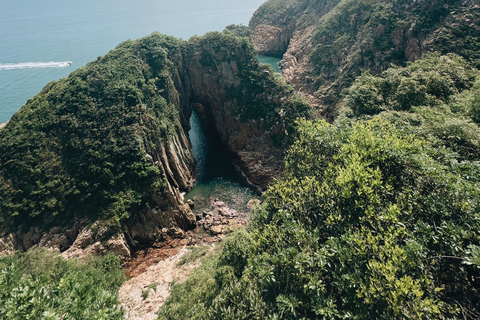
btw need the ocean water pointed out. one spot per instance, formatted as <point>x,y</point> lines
<point>273,61</point>
<point>38,38</point>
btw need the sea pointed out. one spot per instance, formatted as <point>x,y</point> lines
<point>45,40</point>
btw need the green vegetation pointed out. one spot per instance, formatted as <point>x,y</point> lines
<point>238,30</point>
<point>78,148</point>
<point>41,285</point>
<point>373,34</point>
<point>193,255</point>
<point>435,98</point>
<point>376,217</point>
<point>260,95</point>
<point>146,291</point>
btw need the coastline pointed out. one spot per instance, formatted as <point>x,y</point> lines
<point>3,125</point>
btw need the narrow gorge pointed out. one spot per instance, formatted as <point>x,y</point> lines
<point>325,45</point>
<point>108,145</point>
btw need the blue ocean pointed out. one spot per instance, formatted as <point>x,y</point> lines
<point>44,40</point>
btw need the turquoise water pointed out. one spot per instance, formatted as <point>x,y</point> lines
<point>42,31</point>
<point>216,176</point>
<point>273,61</point>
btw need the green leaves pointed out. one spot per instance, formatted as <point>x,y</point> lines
<point>368,222</point>
<point>472,255</point>
<point>41,285</point>
<point>431,81</point>
<point>78,147</point>
<point>439,94</point>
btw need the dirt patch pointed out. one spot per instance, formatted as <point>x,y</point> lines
<point>144,294</point>
<point>212,226</point>
<point>151,256</point>
<point>2,125</point>
<point>153,271</point>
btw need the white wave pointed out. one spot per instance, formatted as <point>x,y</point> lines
<point>30,65</point>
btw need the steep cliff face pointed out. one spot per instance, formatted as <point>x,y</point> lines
<point>332,41</point>
<point>97,161</point>
<point>286,28</point>
<point>241,100</point>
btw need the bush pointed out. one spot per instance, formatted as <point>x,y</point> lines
<point>41,285</point>
<point>368,222</point>
<point>438,91</point>
<point>78,147</point>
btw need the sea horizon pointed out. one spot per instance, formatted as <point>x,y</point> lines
<point>43,42</point>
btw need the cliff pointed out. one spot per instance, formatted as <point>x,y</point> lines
<point>326,44</point>
<point>242,101</point>
<point>97,161</point>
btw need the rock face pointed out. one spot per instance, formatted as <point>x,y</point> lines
<point>214,88</point>
<point>221,220</point>
<point>286,29</point>
<point>326,44</point>
<point>168,219</point>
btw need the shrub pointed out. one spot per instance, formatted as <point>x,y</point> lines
<point>368,222</point>
<point>41,285</point>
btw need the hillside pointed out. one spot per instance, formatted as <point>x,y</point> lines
<point>377,213</point>
<point>326,44</point>
<point>376,216</point>
<point>370,205</point>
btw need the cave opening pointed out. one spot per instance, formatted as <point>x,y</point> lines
<point>215,174</point>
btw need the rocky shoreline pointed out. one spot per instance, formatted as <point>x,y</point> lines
<point>212,225</point>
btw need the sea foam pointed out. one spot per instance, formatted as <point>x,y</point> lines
<point>30,65</point>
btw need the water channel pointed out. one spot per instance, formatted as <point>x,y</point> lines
<point>216,176</point>
<point>272,61</point>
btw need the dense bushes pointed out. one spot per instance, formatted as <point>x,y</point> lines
<point>431,81</point>
<point>435,98</point>
<point>372,34</point>
<point>78,147</point>
<point>371,220</point>
<point>42,285</point>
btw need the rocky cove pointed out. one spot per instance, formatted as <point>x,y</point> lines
<point>240,101</point>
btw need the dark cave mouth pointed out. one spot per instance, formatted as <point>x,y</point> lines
<point>216,176</point>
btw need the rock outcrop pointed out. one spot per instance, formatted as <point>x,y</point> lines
<point>217,89</point>
<point>167,219</point>
<point>286,29</point>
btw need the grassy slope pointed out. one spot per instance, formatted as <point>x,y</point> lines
<point>41,285</point>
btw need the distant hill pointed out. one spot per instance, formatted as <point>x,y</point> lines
<point>326,44</point>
